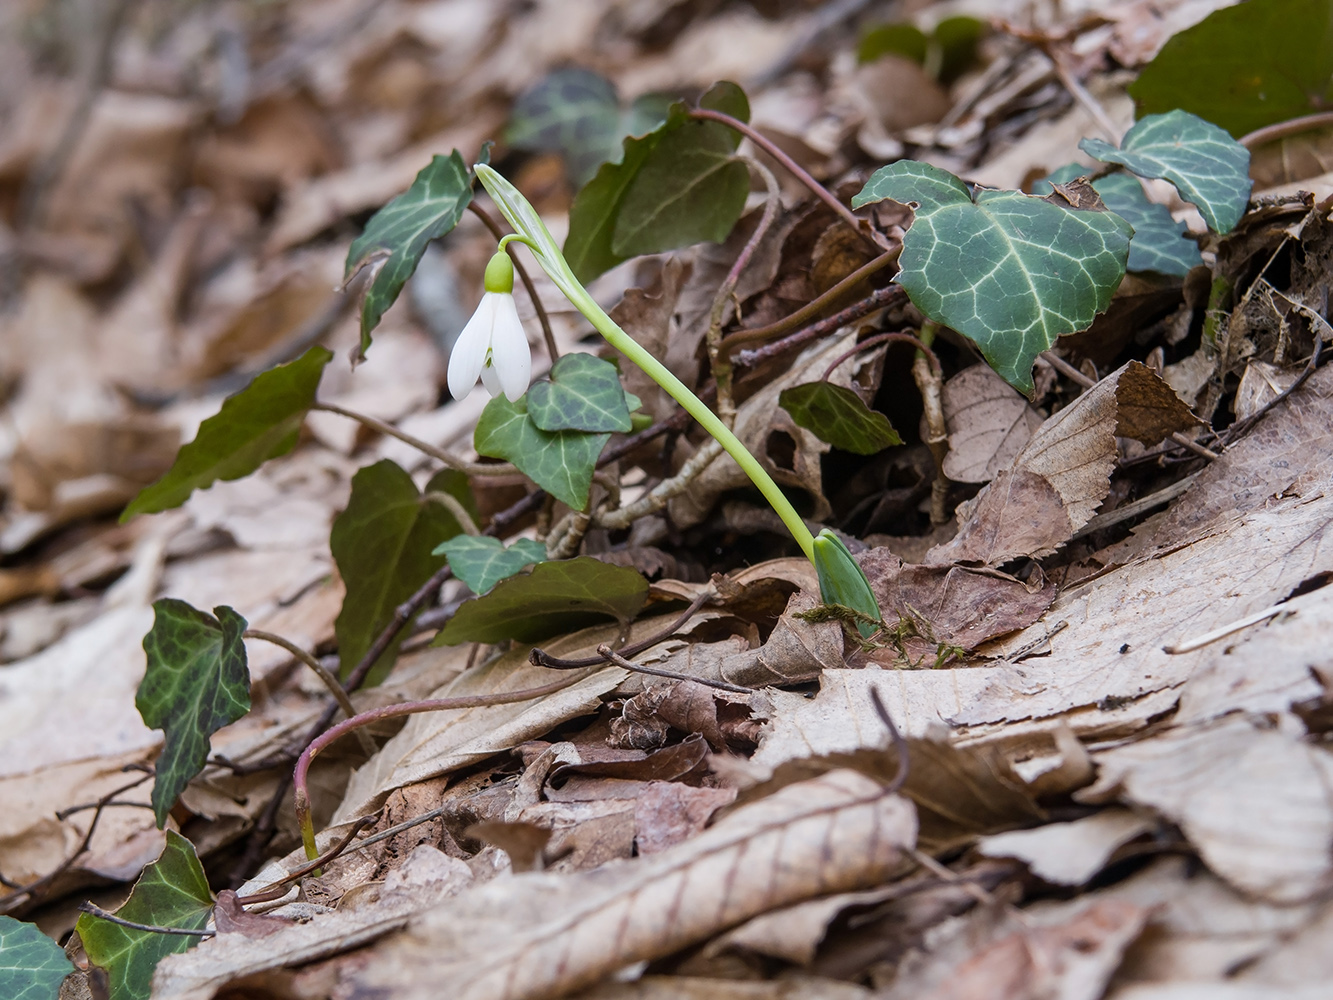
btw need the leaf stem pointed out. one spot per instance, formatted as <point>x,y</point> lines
<point>552,351</point>
<point>811,308</point>
<point>876,300</point>
<point>321,671</point>
<point>794,168</point>
<point>333,733</point>
<point>439,454</point>
<point>882,338</point>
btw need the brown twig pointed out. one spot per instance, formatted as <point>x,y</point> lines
<point>899,742</point>
<point>812,308</point>
<point>613,657</point>
<point>270,892</point>
<point>552,351</point>
<point>883,338</point>
<point>425,447</point>
<point>876,300</point>
<point>94,910</point>
<point>794,168</point>
<point>1241,426</point>
<point>30,891</point>
<point>540,658</point>
<point>1293,126</point>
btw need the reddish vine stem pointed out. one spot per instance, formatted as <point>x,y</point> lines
<point>332,734</point>
<point>877,299</point>
<point>812,308</point>
<point>552,351</point>
<point>883,338</point>
<point>280,888</point>
<point>794,168</point>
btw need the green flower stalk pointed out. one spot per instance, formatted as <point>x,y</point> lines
<point>841,580</point>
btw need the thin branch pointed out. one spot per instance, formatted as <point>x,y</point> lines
<point>876,300</point>
<point>401,615</point>
<point>613,657</point>
<point>270,892</point>
<point>662,494</point>
<point>552,351</point>
<point>1241,426</point>
<point>812,308</point>
<point>455,507</point>
<point>439,454</point>
<point>540,658</point>
<point>794,168</point>
<point>321,671</point>
<point>719,359</point>
<point>101,914</point>
<point>899,742</point>
<point>1293,126</point>
<point>883,338</point>
<point>30,891</point>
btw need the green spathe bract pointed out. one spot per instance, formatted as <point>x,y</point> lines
<point>842,581</point>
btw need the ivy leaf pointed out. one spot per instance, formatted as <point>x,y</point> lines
<point>1159,242</point>
<point>1010,271</point>
<point>396,236</point>
<point>1246,66</point>
<point>197,682</point>
<point>555,598</point>
<point>260,422</point>
<point>171,892</point>
<point>577,113</point>
<point>839,416</point>
<point>560,462</point>
<point>688,172</point>
<point>584,394</point>
<point>482,562</point>
<point>32,966</point>
<point>383,546</point>
<point>1207,166</point>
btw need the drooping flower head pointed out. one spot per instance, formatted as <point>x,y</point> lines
<point>493,345</point>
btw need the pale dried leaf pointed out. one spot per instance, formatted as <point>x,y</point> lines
<point>1068,853</point>
<point>989,422</point>
<point>542,936</point>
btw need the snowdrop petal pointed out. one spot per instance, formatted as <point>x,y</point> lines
<point>469,354</point>
<point>510,354</point>
<point>491,380</point>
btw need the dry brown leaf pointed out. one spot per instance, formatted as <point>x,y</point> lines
<point>1255,803</point>
<point>543,936</point>
<point>668,812</point>
<point>1068,853</point>
<point>647,315</point>
<point>699,988</point>
<point>1054,485</point>
<point>989,423</point>
<point>1252,528</point>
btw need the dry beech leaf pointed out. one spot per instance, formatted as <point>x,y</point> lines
<point>1055,483</point>
<point>230,917</point>
<point>989,422</point>
<point>699,988</point>
<point>1068,853</point>
<point>537,935</point>
<point>668,812</point>
<point>1251,528</point>
<point>1253,802</point>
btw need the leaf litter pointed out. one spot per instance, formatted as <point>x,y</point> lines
<point>1084,814</point>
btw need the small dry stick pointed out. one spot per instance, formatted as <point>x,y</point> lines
<point>662,494</point>
<point>425,447</point>
<point>552,351</point>
<point>540,658</point>
<point>278,889</point>
<point>613,657</point>
<point>876,300</point>
<point>1198,642</point>
<point>94,910</point>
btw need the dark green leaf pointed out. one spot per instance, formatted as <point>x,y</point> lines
<point>197,682</point>
<point>32,966</point>
<point>383,545</point>
<point>899,39</point>
<point>1010,271</point>
<point>1159,242</point>
<point>560,462</point>
<point>599,238</point>
<point>1246,66</point>
<point>576,113</point>
<point>555,598</point>
<point>482,562</point>
<point>583,394</point>
<point>956,39</point>
<point>1207,166</point>
<point>171,892</point>
<point>260,422</point>
<point>396,236</point>
<point>838,416</point>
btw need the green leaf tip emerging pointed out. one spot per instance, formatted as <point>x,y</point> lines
<point>171,892</point>
<point>260,422</point>
<point>197,682</point>
<point>842,581</point>
<point>397,235</point>
<point>32,966</point>
<point>1008,270</point>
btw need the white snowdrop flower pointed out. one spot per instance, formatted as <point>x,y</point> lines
<point>493,345</point>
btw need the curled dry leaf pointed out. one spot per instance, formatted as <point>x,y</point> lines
<point>536,936</point>
<point>1254,802</point>
<point>1068,853</point>
<point>1055,483</point>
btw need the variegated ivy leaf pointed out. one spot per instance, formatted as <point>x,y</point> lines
<point>583,394</point>
<point>1008,270</point>
<point>560,462</point>
<point>482,562</point>
<point>1207,166</point>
